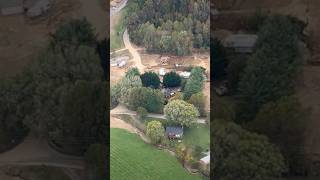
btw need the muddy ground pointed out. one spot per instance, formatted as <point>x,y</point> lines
<point>22,38</point>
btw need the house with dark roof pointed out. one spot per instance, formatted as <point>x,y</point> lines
<point>174,132</point>
<point>11,7</point>
<point>241,43</point>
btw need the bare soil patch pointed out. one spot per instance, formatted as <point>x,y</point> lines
<point>309,95</point>
<point>21,38</point>
<point>206,92</point>
<point>118,123</point>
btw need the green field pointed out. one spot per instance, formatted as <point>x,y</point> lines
<point>131,158</point>
<point>199,135</point>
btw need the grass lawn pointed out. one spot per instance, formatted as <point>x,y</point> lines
<point>116,41</point>
<point>199,135</point>
<point>131,158</point>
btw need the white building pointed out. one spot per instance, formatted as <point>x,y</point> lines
<point>185,74</point>
<point>11,7</point>
<point>122,64</point>
<point>162,71</point>
<point>205,160</point>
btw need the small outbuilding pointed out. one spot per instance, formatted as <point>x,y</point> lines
<point>37,7</point>
<point>162,71</point>
<point>205,164</point>
<point>11,7</point>
<point>174,132</point>
<point>185,74</point>
<point>241,43</point>
<point>205,160</point>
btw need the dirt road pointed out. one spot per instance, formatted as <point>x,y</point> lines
<point>35,151</point>
<point>136,56</point>
<point>120,109</point>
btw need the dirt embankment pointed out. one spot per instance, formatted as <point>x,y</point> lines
<point>21,38</point>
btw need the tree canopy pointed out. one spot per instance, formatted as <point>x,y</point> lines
<point>150,79</point>
<point>181,113</point>
<point>150,99</point>
<point>242,155</point>
<point>194,83</point>
<point>171,79</point>
<point>283,121</point>
<point>166,27</point>
<point>155,131</point>
<point>271,71</point>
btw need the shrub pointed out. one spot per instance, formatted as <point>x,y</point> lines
<point>171,79</point>
<point>150,79</point>
<point>142,113</point>
<point>155,131</point>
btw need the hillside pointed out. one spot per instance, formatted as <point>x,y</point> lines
<point>131,158</point>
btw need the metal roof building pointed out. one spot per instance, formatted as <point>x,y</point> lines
<point>242,43</point>
<point>37,7</point>
<point>174,131</point>
<point>11,7</point>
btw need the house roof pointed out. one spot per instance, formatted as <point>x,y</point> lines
<point>206,159</point>
<point>241,40</point>
<point>174,130</point>
<point>10,3</point>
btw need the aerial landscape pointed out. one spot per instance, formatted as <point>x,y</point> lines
<point>160,89</point>
<point>266,96</point>
<point>196,90</point>
<point>53,96</point>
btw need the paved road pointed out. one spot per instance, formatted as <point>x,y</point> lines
<point>35,151</point>
<point>120,109</point>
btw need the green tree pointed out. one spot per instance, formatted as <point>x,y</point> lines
<point>132,72</point>
<point>199,101</point>
<point>51,74</point>
<point>181,112</point>
<point>271,72</point>
<point>218,56</point>
<point>234,71</point>
<point>150,79</point>
<point>142,113</point>
<point>150,99</point>
<point>155,131</point>
<point>114,95</point>
<point>195,83</point>
<point>171,79</point>
<point>75,32</point>
<point>82,116</point>
<point>125,85</point>
<point>283,122</point>
<point>223,109</point>
<point>242,155</point>
<point>12,128</point>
